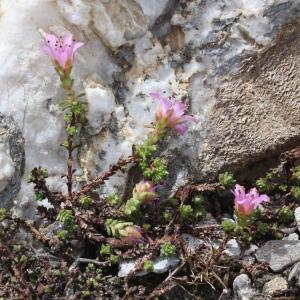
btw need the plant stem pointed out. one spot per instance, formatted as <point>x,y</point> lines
<point>98,181</point>
<point>70,141</point>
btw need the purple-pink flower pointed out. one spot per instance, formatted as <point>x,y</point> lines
<point>172,113</point>
<point>245,204</point>
<point>60,49</point>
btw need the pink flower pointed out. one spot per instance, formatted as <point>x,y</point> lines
<point>172,113</point>
<point>61,50</point>
<point>245,204</point>
<point>145,191</point>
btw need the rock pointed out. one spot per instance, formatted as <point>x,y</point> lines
<point>164,264</point>
<point>251,250</point>
<point>191,243</point>
<point>101,104</point>
<point>294,276</point>
<point>288,230</point>
<point>232,248</point>
<point>125,267</point>
<point>153,9</point>
<point>242,288</point>
<point>231,127</point>
<point>119,21</point>
<point>12,159</point>
<point>297,217</point>
<point>160,265</point>
<point>233,62</point>
<point>51,230</point>
<point>279,254</point>
<point>276,286</point>
<point>208,220</point>
<point>248,259</point>
<point>291,237</point>
<point>260,281</point>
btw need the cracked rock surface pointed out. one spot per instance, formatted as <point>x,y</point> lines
<point>235,63</point>
<point>11,160</point>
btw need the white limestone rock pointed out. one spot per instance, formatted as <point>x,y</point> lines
<point>7,166</point>
<point>153,8</point>
<point>192,53</point>
<point>118,21</point>
<point>101,104</point>
<point>297,217</point>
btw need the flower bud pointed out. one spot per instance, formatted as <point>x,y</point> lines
<point>144,191</point>
<point>131,234</point>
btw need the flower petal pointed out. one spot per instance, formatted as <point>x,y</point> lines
<point>181,128</point>
<point>263,198</point>
<point>166,104</point>
<point>48,51</point>
<point>239,190</point>
<point>61,57</point>
<point>50,39</point>
<point>179,108</point>
<point>76,46</point>
<point>254,193</point>
<point>189,118</point>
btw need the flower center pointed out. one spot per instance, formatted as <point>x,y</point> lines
<point>60,45</point>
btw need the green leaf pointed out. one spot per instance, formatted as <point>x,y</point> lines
<point>228,225</point>
<point>167,249</point>
<point>227,179</point>
<point>148,265</point>
<point>113,227</point>
<point>186,212</point>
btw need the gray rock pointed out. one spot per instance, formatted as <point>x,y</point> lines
<point>242,288</point>
<point>238,136</point>
<point>130,23</point>
<point>51,230</point>
<point>160,265</point>
<point>164,264</point>
<point>232,248</point>
<point>191,243</point>
<point>229,101</point>
<point>125,267</point>
<point>208,220</point>
<point>251,250</point>
<point>279,254</point>
<point>291,237</point>
<point>12,158</point>
<point>275,286</point>
<point>294,276</point>
<point>234,61</point>
<point>248,259</point>
<point>297,217</point>
<point>288,230</point>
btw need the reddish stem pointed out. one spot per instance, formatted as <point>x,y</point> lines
<point>97,182</point>
<point>70,148</point>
